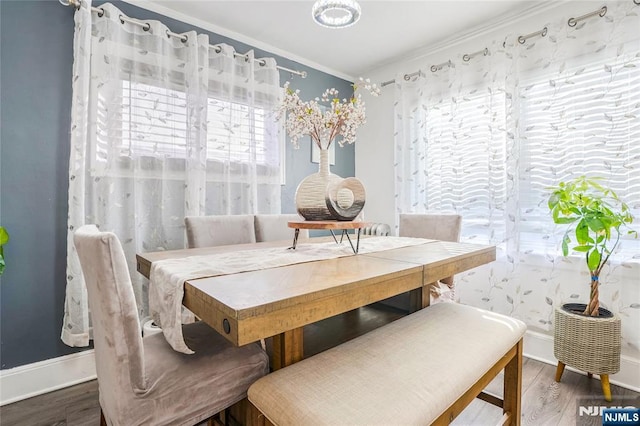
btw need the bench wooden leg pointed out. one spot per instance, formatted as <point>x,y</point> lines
<point>511,363</point>
<point>513,387</point>
<point>254,417</point>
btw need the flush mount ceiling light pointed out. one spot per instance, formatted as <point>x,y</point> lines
<point>336,13</point>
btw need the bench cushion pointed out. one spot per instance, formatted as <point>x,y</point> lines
<point>407,372</point>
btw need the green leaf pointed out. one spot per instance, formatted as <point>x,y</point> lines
<point>565,245</point>
<point>553,200</point>
<point>4,236</point>
<point>575,210</point>
<point>2,265</point>
<point>593,260</point>
<point>582,232</point>
<point>583,249</point>
<point>596,225</point>
<point>565,220</point>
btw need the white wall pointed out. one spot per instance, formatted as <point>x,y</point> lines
<point>374,158</point>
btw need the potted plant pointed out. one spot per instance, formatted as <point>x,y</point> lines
<point>586,336</point>
<point>4,239</point>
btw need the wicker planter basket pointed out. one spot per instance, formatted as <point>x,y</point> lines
<point>590,344</point>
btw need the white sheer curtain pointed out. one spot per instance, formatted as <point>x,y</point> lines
<point>162,128</point>
<point>451,144</point>
<point>487,137</point>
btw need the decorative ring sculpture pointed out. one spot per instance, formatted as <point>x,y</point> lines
<point>345,198</point>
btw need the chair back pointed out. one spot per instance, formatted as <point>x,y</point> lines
<point>114,315</point>
<point>222,230</point>
<point>274,227</point>
<point>443,227</point>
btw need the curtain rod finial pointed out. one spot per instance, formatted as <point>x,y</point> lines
<point>75,3</point>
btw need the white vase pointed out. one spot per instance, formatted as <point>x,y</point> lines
<point>326,196</point>
<point>311,200</point>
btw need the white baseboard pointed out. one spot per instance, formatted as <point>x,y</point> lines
<point>539,346</point>
<point>45,376</point>
<point>41,377</point>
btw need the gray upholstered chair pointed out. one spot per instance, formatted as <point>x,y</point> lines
<point>222,230</point>
<point>143,380</point>
<point>273,227</point>
<point>444,227</point>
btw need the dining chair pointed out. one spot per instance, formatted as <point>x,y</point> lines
<point>274,227</point>
<point>219,230</point>
<point>143,380</point>
<point>444,227</point>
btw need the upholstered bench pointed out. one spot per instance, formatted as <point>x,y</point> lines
<point>422,369</point>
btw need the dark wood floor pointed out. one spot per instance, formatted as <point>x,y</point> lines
<point>544,402</point>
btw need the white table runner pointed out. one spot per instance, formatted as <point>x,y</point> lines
<point>167,277</point>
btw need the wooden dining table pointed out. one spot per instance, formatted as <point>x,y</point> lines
<point>278,302</point>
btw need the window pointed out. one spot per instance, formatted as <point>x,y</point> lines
<point>153,123</point>
<point>465,162</point>
<point>584,124</point>
<point>236,132</point>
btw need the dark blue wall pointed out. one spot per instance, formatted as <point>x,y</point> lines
<point>36,58</point>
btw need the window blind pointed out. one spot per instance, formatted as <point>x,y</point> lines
<point>152,121</point>
<point>465,162</point>
<point>584,124</point>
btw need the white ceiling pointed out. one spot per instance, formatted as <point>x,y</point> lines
<point>387,30</point>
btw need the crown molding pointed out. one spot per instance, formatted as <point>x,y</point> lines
<point>496,24</point>
<point>171,13</point>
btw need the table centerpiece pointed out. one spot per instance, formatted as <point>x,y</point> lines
<point>327,119</point>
